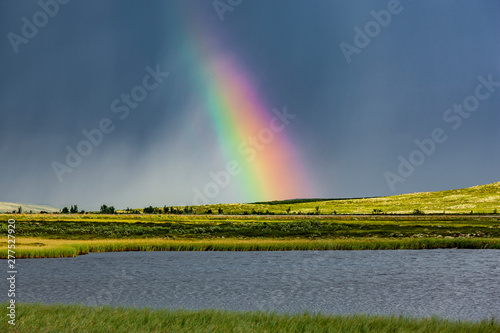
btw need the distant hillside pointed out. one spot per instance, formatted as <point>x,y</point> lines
<point>8,207</point>
<point>478,199</point>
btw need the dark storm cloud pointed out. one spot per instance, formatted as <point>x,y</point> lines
<point>354,119</point>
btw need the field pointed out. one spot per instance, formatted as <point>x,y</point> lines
<point>48,248</point>
<point>481,199</point>
<point>69,235</point>
<point>76,318</point>
<point>372,224</point>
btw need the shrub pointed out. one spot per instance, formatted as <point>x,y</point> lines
<point>148,210</point>
<point>418,212</point>
<point>107,210</point>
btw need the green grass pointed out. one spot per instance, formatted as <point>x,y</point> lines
<point>55,248</point>
<point>78,318</point>
<point>483,199</point>
<point>275,227</point>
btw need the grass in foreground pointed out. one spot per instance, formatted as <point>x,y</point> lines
<point>77,318</point>
<point>56,248</point>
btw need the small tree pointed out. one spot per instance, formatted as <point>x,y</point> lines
<point>418,212</point>
<point>149,210</point>
<point>65,210</point>
<point>107,210</point>
<point>220,211</point>
<point>74,209</point>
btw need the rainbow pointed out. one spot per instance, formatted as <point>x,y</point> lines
<point>248,131</point>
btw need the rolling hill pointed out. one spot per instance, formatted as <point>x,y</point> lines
<point>482,199</point>
<point>8,207</point>
<point>478,199</point>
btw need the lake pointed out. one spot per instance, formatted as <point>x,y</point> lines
<point>456,284</point>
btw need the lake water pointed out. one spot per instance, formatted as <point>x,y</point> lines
<point>457,284</point>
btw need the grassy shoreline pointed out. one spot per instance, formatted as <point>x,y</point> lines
<point>79,318</point>
<point>57,248</point>
<point>59,235</point>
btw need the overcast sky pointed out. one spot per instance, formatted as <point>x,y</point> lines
<point>365,79</point>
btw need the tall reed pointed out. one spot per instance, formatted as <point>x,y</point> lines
<point>54,248</point>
